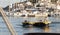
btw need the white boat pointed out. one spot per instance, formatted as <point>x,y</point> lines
<point>41,15</point>
<point>8,13</point>
<point>31,15</point>
<point>17,14</point>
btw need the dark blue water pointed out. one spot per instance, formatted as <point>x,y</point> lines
<point>54,27</point>
<point>3,28</point>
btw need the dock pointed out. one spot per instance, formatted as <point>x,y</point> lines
<point>7,22</point>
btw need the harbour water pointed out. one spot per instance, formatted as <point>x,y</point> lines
<point>54,27</point>
<point>16,22</point>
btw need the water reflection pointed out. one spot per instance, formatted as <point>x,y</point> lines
<point>32,28</point>
<point>46,29</point>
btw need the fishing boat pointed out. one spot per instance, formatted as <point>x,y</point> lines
<point>38,23</point>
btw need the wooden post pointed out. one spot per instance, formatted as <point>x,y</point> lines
<point>9,25</point>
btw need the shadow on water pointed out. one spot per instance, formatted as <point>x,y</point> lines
<point>42,34</point>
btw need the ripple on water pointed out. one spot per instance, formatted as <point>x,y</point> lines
<point>17,24</point>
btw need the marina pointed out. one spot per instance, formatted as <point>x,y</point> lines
<point>30,16</point>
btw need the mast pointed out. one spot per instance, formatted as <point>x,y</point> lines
<point>9,6</point>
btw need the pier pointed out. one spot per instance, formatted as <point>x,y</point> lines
<point>9,25</point>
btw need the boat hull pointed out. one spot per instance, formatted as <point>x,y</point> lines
<point>37,24</point>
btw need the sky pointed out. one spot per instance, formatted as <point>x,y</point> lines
<point>4,3</point>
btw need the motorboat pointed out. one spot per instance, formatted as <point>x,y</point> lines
<point>38,23</point>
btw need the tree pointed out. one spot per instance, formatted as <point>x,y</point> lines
<point>54,1</point>
<point>33,1</point>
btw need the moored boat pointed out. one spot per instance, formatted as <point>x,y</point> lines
<point>38,23</point>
